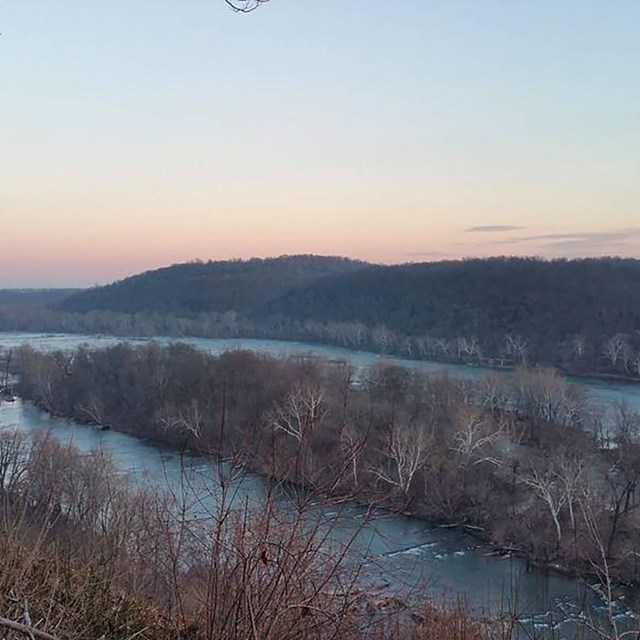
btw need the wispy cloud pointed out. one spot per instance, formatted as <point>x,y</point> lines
<point>492,228</point>
<point>581,242</point>
<point>619,235</point>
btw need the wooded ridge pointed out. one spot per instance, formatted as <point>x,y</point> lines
<point>580,315</point>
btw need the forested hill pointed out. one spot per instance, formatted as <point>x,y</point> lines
<point>20,298</point>
<point>546,303</point>
<point>197,287</point>
<point>583,315</point>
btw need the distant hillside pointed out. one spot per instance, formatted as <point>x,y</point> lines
<point>545,302</point>
<point>199,287</point>
<point>582,315</point>
<point>33,297</point>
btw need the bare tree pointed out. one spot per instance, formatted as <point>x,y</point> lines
<point>189,420</point>
<point>468,347</point>
<point>635,362</point>
<point>493,392</point>
<point>475,436</point>
<point>516,348</point>
<point>301,412</point>
<point>549,488</point>
<point>94,409</point>
<point>571,471</point>
<point>352,444</point>
<point>405,453</point>
<point>616,350</point>
<point>623,477</point>
<point>424,345</point>
<point>382,338</point>
<point>441,347</point>
<point>600,567</point>
<point>543,394</point>
<point>579,346</point>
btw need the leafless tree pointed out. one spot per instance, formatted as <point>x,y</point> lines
<point>441,347</point>
<point>349,334</point>
<point>407,346</point>
<point>543,394</point>
<point>493,392</point>
<point>189,420</point>
<point>516,348</point>
<point>424,345</point>
<point>579,346</point>
<point>352,444</point>
<point>571,471</point>
<point>406,453</point>
<point>382,338</point>
<point>601,568</point>
<point>616,350</point>
<point>94,409</point>
<point>468,347</point>
<point>301,412</point>
<point>549,488</point>
<point>635,362</point>
<point>475,435</point>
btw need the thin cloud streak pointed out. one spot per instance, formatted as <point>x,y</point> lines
<point>492,228</point>
<point>577,237</point>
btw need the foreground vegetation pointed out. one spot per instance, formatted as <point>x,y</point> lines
<point>84,556</point>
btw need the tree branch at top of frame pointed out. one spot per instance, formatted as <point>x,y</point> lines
<point>245,6</point>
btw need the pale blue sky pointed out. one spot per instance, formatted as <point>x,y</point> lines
<point>136,133</point>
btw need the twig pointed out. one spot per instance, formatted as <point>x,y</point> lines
<point>28,631</point>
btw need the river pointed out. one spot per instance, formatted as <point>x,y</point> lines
<point>398,551</point>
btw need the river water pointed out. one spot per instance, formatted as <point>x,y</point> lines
<point>397,551</point>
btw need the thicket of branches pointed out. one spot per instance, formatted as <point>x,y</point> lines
<point>83,556</point>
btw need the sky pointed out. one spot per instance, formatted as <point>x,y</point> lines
<point>140,133</point>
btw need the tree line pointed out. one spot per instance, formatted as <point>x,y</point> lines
<point>616,355</point>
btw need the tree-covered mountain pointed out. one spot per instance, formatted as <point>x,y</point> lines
<point>544,302</point>
<point>20,298</point>
<point>199,287</point>
<point>583,315</point>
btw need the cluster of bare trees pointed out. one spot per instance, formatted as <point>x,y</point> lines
<point>84,555</point>
<point>619,354</point>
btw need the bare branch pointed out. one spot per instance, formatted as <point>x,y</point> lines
<point>26,630</point>
<point>244,6</point>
